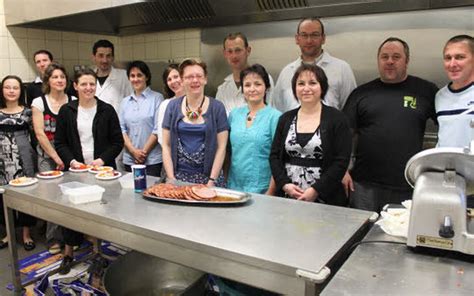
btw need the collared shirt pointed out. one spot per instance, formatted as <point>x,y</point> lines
<point>138,119</point>
<point>455,112</point>
<point>115,88</point>
<point>232,97</point>
<point>340,78</point>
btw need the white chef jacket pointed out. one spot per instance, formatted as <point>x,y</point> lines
<point>115,88</point>
<point>232,97</point>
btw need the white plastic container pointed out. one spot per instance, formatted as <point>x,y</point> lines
<point>79,193</point>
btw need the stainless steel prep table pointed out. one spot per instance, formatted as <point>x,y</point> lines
<point>277,244</point>
<point>391,269</point>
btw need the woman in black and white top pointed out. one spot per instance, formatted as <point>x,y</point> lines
<point>312,145</point>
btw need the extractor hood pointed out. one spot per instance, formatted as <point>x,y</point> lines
<point>127,17</point>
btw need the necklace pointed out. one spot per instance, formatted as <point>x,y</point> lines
<point>250,117</point>
<point>193,115</point>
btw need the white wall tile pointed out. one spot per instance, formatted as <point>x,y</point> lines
<point>151,50</point>
<point>35,34</point>
<point>69,36</point>
<point>177,48</point>
<point>192,33</point>
<point>150,37</point>
<point>192,47</point>
<point>21,68</point>
<point>4,67</point>
<point>56,48</point>
<point>34,45</point>
<point>84,50</point>
<point>126,53</point>
<point>83,37</point>
<point>164,49</point>
<point>18,48</point>
<point>138,51</point>
<point>3,27</point>
<point>17,32</point>
<point>176,34</point>
<point>70,50</point>
<point>4,54</point>
<point>162,36</point>
<point>53,35</point>
<point>139,39</point>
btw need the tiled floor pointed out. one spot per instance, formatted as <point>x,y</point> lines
<point>5,271</point>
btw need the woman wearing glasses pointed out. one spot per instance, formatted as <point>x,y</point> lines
<point>195,131</point>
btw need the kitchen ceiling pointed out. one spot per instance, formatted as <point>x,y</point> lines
<point>127,17</point>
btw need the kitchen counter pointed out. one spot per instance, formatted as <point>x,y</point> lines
<point>393,269</point>
<point>277,244</point>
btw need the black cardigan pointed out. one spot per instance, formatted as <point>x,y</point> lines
<point>108,139</point>
<point>336,143</point>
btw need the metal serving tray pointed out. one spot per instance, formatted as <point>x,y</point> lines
<point>238,198</point>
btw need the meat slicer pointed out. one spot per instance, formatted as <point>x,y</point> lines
<point>442,179</point>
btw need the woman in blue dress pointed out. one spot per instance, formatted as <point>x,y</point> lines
<point>195,131</point>
<point>252,128</point>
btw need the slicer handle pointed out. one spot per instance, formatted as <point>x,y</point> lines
<point>446,230</point>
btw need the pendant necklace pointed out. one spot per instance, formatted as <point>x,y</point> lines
<point>249,117</point>
<point>193,115</point>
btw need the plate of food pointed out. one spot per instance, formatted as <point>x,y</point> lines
<point>108,175</point>
<point>194,194</point>
<point>99,169</point>
<point>80,168</point>
<point>23,181</point>
<point>50,174</point>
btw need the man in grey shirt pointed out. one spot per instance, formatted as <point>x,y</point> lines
<point>310,37</point>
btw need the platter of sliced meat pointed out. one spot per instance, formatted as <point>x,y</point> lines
<point>199,194</point>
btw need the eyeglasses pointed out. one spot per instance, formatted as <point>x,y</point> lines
<point>312,36</point>
<point>192,77</point>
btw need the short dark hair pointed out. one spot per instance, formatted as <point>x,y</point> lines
<point>21,99</point>
<point>233,36</point>
<point>462,38</point>
<point>260,71</point>
<point>143,67</point>
<point>311,19</point>
<point>103,43</point>
<point>49,72</point>
<point>396,39</point>
<point>43,51</point>
<point>169,93</point>
<point>82,72</point>
<point>191,62</point>
<point>317,71</point>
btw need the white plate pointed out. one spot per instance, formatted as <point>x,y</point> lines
<point>28,181</point>
<point>78,170</point>
<point>119,174</point>
<point>101,169</point>
<point>49,176</point>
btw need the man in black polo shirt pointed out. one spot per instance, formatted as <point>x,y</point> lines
<point>388,116</point>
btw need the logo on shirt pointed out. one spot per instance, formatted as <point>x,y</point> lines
<point>409,102</point>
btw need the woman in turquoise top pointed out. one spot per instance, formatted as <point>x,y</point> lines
<point>252,128</point>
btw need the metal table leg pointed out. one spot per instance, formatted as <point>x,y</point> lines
<point>12,247</point>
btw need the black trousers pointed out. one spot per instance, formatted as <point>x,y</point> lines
<point>21,219</point>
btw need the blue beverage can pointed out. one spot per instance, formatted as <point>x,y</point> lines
<point>139,177</point>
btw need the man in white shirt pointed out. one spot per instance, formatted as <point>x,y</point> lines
<point>112,83</point>
<point>454,103</point>
<point>310,37</point>
<point>236,52</point>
